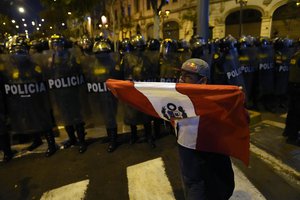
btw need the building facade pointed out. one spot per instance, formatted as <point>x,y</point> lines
<point>177,18</point>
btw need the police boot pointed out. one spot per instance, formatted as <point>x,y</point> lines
<point>81,137</point>
<point>51,144</point>
<point>133,134</point>
<point>72,138</point>
<point>112,134</point>
<point>5,144</point>
<point>148,135</point>
<point>37,141</point>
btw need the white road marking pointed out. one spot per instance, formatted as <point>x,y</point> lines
<point>273,123</point>
<point>244,189</point>
<point>148,181</point>
<point>74,191</point>
<point>277,165</point>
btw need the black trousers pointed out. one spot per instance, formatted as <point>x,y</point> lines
<point>206,175</point>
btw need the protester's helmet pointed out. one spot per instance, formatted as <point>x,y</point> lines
<point>138,42</point>
<point>153,44</point>
<point>101,47</point>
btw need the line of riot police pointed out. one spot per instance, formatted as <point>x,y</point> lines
<point>42,88</point>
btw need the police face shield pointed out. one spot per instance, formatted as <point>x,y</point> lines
<point>101,47</point>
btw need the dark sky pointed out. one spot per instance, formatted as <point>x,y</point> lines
<point>32,9</point>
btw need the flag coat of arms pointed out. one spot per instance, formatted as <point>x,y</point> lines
<point>213,117</point>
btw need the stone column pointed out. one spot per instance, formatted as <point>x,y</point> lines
<point>266,26</point>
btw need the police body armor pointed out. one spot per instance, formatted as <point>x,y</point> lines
<point>292,127</point>
<point>66,83</point>
<point>103,105</point>
<point>135,66</point>
<point>2,100</point>
<point>27,97</point>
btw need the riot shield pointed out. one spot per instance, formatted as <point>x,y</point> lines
<point>232,70</point>
<point>103,105</point>
<point>170,66</point>
<point>66,84</point>
<point>266,71</point>
<point>26,96</point>
<point>282,63</point>
<point>248,65</point>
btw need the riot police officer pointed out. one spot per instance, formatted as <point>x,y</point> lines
<point>4,136</point>
<point>200,49</point>
<point>225,67</point>
<point>102,67</point>
<point>27,97</point>
<point>292,128</point>
<point>65,81</point>
<point>248,65</point>
<point>265,59</point>
<point>282,47</point>
<point>170,62</point>
<point>137,67</point>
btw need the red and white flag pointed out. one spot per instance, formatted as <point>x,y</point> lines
<point>218,111</point>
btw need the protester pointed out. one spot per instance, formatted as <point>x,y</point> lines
<point>206,175</point>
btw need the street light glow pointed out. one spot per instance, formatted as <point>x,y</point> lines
<point>103,19</point>
<point>33,23</point>
<point>42,20</point>
<point>50,27</point>
<point>23,20</point>
<point>17,26</point>
<point>63,24</point>
<point>21,10</point>
<point>25,25</point>
<point>4,23</point>
<point>69,13</point>
<point>13,21</point>
<point>40,25</point>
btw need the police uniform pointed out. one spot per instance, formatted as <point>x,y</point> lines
<point>103,104</point>
<point>65,82</point>
<point>292,129</point>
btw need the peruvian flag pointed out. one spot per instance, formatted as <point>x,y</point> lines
<point>212,117</point>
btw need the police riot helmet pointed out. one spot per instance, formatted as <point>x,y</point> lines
<point>101,47</point>
<point>197,42</point>
<point>138,42</point>
<point>126,45</point>
<point>35,46</point>
<point>263,42</point>
<point>287,42</point>
<point>86,44</point>
<point>245,42</point>
<point>57,40</point>
<point>227,43</point>
<point>183,45</point>
<point>168,46</point>
<point>19,49</point>
<point>153,44</point>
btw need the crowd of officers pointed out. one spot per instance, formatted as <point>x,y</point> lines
<point>45,84</point>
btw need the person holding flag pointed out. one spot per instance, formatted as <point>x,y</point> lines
<point>211,124</point>
<point>205,175</point>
